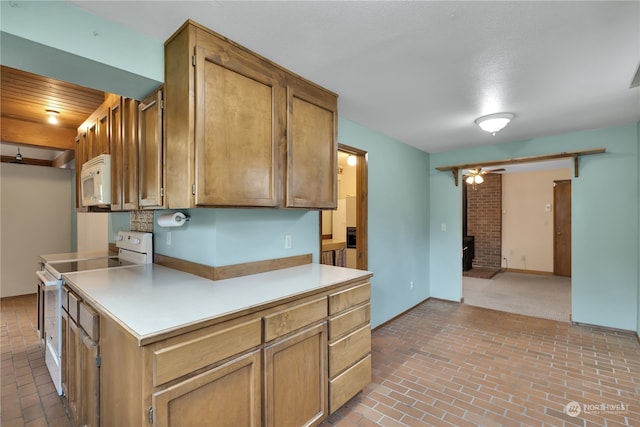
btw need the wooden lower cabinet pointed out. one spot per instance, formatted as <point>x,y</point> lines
<point>225,396</point>
<point>271,366</point>
<point>296,379</point>
<point>89,382</point>
<point>80,362</point>
<point>74,369</point>
<point>349,343</point>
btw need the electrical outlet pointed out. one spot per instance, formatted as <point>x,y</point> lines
<point>288,241</point>
<point>168,238</point>
<point>411,284</point>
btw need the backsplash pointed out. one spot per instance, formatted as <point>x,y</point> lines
<point>142,221</point>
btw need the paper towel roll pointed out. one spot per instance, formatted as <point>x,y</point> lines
<point>172,220</point>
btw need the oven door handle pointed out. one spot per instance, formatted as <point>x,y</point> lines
<point>47,279</point>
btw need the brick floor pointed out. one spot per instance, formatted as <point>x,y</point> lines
<point>28,397</point>
<point>446,364</point>
<point>441,364</point>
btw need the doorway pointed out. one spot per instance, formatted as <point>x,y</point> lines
<point>343,231</point>
<point>529,282</point>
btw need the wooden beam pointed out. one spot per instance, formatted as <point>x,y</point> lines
<point>518,160</point>
<point>26,161</point>
<point>37,135</point>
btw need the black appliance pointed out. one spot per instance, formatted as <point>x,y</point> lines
<point>351,237</point>
<point>468,244</point>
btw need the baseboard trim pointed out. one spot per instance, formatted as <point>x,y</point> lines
<point>606,328</point>
<point>399,315</point>
<point>411,308</point>
<point>517,270</point>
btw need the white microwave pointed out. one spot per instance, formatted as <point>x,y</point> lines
<point>95,181</point>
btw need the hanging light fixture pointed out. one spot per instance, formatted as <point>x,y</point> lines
<point>494,122</point>
<point>53,116</point>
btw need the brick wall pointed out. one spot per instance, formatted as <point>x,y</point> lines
<point>484,220</point>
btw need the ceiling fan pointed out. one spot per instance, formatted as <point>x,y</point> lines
<point>474,176</point>
<point>18,158</point>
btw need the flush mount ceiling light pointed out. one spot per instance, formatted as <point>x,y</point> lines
<point>494,122</point>
<point>352,160</point>
<point>53,116</point>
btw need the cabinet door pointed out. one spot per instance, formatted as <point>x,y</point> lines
<point>226,396</point>
<point>130,154</point>
<point>311,147</point>
<point>296,379</point>
<point>64,353</point>
<point>89,382</point>
<point>150,160</point>
<point>82,155</point>
<point>116,147</point>
<point>74,371</point>
<point>236,129</point>
<point>102,122</point>
<point>98,132</point>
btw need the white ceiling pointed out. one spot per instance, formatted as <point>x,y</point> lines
<point>422,71</point>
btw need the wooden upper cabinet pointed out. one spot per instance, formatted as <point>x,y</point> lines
<point>239,127</point>
<point>81,158</point>
<point>112,129</point>
<point>236,134</point>
<point>129,160</point>
<point>222,122</point>
<point>311,146</point>
<point>116,147</point>
<point>123,130</point>
<point>123,125</point>
<point>150,152</point>
<point>98,132</point>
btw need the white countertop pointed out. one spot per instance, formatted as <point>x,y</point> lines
<point>151,299</point>
<point>74,256</point>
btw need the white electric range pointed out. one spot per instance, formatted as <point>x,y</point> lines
<point>134,248</point>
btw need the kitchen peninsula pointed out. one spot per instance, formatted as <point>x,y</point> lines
<point>286,347</point>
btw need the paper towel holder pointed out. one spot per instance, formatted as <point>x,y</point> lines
<point>175,219</point>
<point>184,216</point>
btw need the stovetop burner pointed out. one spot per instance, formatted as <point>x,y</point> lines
<point>89,264</point>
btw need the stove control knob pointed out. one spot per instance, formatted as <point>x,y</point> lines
<point>134,240</point>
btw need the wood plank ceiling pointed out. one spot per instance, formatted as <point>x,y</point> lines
<point>24,99</point>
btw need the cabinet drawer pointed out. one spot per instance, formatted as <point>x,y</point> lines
<point>190,355</point>
<point>65,298</point>
<point>299,316</point>
<point>74,302</point>
<point>348,350</point>
<point>348,298</point>
<point>349,383</point>
<point>348,321</point>
<point>89,321</point>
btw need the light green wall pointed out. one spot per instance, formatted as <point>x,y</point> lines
<point>398,220</point>
<point>56,39</point>
<point>219,237</point>
<point>604,221</point>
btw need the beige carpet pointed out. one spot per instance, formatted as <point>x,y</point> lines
<point>548,297</point>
